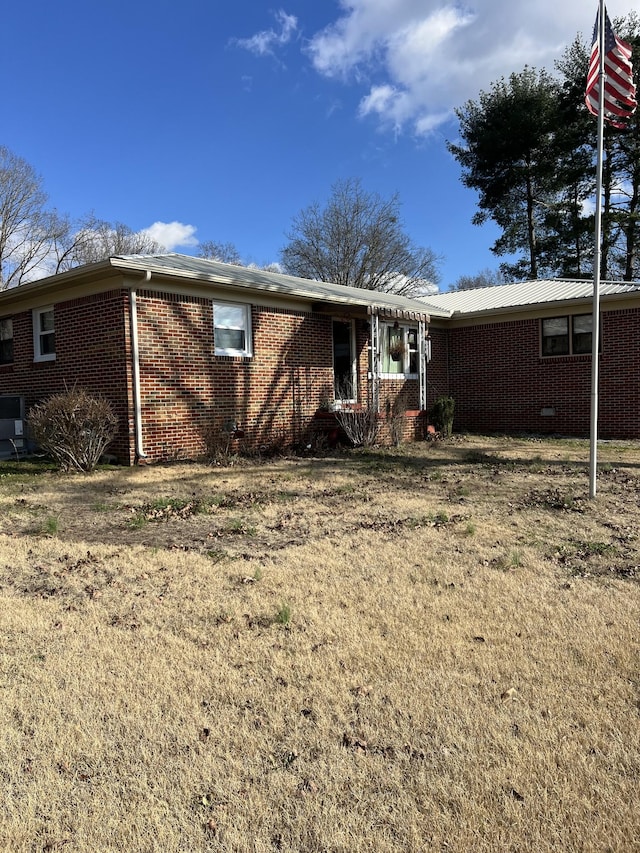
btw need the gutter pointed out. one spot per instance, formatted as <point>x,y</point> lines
<point>135,364</point>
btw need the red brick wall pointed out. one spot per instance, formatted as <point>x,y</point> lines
<point>501,383</point>
<point>272,396</point>
<point>619,392</point>
<point>186,389</point>
<point>91,340</point>
<point>438,367</point>
<point>493,371</point>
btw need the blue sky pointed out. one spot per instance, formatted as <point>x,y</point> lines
<point>222,120</point>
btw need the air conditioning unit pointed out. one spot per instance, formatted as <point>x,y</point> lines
<point>12,438</point>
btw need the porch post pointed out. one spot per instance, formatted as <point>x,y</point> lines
<point>422,366</point>
<point>375,358</point>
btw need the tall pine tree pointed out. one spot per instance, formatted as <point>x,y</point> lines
<point>529,148</point>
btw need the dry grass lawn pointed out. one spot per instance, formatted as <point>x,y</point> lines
<point>428,648</point>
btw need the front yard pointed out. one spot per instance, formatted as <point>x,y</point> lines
<point>434,647</point>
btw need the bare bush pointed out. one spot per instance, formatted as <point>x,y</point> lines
<point>218,442</point>
<point>74,428</point>
<point>360,425</point>
<point>395,414</point>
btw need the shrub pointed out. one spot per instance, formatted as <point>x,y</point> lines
<point>441,415</point>
<point>74,428</point>
<point>219,442</point>
<point>395,414</point>
<point>360,426</point>
<point>217,445</point>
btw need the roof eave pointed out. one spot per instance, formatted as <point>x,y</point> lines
<point>42,289</point>
<point>43,286</point>
<point>535,306</point>
<point>301,293</point>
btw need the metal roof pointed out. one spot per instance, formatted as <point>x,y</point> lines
<point>523,294</point>
<point>185,266</point>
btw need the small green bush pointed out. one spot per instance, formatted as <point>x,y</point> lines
<point>441,415</point>
<point>74,428</point>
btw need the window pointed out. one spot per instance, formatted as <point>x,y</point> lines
<point>567,335</point>
<point>581,334</point>
<point>44,336</point>
<point>399,351</point>
<point>555,336</point>
<point>6,341</point>
<point>11,408</point>
<point>412,350</point>
<point>232,329</point>
<point>344,361</point>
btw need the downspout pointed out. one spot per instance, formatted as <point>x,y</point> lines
<point>135,359</point>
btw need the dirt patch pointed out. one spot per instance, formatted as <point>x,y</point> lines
<point>251,512</point>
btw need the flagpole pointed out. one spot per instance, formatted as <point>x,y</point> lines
<point>597,256</point>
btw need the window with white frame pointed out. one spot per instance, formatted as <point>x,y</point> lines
<point>399,350</point>
<point>44,335</point>
<point>6,340</point>
<point>232,329</point>
<point>569,335</point>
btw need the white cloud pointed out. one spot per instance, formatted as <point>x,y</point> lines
<point>422,58</point>
<point>171,235</point>
<point>265,42</point>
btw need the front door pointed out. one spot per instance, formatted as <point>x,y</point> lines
<point>344,362</point>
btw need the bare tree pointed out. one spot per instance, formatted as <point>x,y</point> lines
<point>484,278</point>
<point>226,253</point>
<point>36,241</point>
<point>27,228</point>
<point>92,240</point>
<point>358,240</point>
<point>274,266</point>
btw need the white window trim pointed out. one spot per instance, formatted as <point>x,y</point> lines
<point>404,373</point>
<point>247,352</point>
<point>37,354</point>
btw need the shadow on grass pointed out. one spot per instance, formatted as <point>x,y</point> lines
<point>14,469</point>
<point>419,459</point>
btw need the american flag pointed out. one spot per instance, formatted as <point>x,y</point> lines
<point>619,89</point>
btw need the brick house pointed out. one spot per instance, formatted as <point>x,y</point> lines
<point>180,345</point>
<point>517,357</point>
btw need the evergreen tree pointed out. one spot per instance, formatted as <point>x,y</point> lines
<point>529,149</point>
<point>508,156</point>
